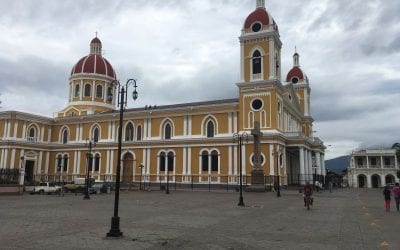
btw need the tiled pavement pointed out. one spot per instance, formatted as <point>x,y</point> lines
<point>344,219</point>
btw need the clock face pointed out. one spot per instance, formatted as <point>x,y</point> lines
<point>295,80</point>
<point>256,104</point>
<point>256,27</point>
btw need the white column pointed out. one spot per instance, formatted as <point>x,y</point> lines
<point>302,169</point>
<point>39,165</point>
<point>12,158</point>
<point>78,165</point>
<point>15,129</point>
<point>395,162</point>
<point>235,160</point>
<point>5,158</point>
<point>323,164</point>
<point>271,160</point>
<point>75,162</point>
<point>318,162</point>
<point>381,161</point>
<point>41,134</point>
<point>367,162</point>
<point>244,159</point>
<point>46,170</point>
<point>189,161</point>
<point>185,125</point>
<point>306,164</point>
<point>230,162</point>
<point>23,131</point>
<point>310,169</point>
<point>235,122</point>
<point>184,161</point>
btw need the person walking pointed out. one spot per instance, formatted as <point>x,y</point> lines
<point>396,194</point>
<point>387,193</point>
<point>330,186</point>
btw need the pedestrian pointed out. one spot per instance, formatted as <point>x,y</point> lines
<point>396,194</point>
<point>387,193</point>
<point>330,186</point>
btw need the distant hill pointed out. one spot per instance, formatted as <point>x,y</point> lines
<point>337,164</point>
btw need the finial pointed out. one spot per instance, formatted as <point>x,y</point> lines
<point>96,33</point>
<point>295,49</point>
<point>260,3</point>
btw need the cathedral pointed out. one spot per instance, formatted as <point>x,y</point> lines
<point>185,143</point>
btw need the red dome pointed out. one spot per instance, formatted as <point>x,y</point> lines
<point>295,72</point>
<point>95,40</point>
<point>93,64</point>
<point>260,14</point>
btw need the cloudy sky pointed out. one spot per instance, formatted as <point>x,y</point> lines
<point>188,50</point>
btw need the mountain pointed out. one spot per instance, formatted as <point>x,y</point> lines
<point>337,164</point>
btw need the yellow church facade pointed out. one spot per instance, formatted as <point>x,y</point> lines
<point>186,143</point>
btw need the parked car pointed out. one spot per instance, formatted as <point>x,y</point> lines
<point>46,188</point>
<point>102,187</point>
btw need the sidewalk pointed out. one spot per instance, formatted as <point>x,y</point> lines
<point>344,219</point>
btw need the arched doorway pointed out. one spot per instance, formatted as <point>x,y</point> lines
<point>127,168</point>
<point>376,181</point>
<point>362,181</point>
<point>389,179</point>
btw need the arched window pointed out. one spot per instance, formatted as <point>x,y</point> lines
<point>88,89</point>
<point>95,136</point>
<point>97,162</point>
<point>214,160</point>
<point>139,133</point>
<point>59,163</point>
<point>210,129</point>
<point>170,157</point>
<point>109,94</point>
<point>256,62</point>
<point>204,161</point>
<point>65,163</point>
<point>77,90</point>
<point>99,91</point>
<point>167,131</point>
<point>32,132</point>
<point>129,132</point>
<point>65,136</point>
<point>162,161</point>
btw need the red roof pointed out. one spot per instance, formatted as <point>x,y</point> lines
<point>260,14</point>
<point>95,40</point>
<point>93,64</point>
<point>295,72</point>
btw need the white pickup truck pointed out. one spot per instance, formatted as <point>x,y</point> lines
<point>46,188</point>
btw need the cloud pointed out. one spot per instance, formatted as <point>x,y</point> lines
<point>183,51</point>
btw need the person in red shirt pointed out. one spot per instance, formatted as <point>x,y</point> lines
<point>396,194</point>
<point>308,191</point>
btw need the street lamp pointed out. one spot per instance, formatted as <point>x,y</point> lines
<point>89,162</point>
<point>278,184</point>
<point>63,165</point>
<point>122,102</point>
<point>240,138</point>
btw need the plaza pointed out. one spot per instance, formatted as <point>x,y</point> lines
<point>343,219</point>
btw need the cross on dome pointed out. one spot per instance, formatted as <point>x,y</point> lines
<point>260,3</point>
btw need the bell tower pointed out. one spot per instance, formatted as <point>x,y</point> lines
<point>260,60</point>
<point>260,46</point>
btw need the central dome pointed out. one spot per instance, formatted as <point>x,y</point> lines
<point>94,63</point>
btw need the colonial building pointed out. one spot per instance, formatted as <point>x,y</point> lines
<point>189,142</point>
<point>373,168</point>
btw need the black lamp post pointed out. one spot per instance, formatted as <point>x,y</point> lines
<point>240,138</point>
<point>278,184</point>
<point>141,173</point>
<point>122,102</point>
<point>89,159</point>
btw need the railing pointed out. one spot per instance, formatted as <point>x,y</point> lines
<point>374,166</point>
<point>31,139</point>
<point>293,134</point>
<point>389,166</point>
<point>257,76</point>
<point>9,176</point>
<point>198,182</point>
